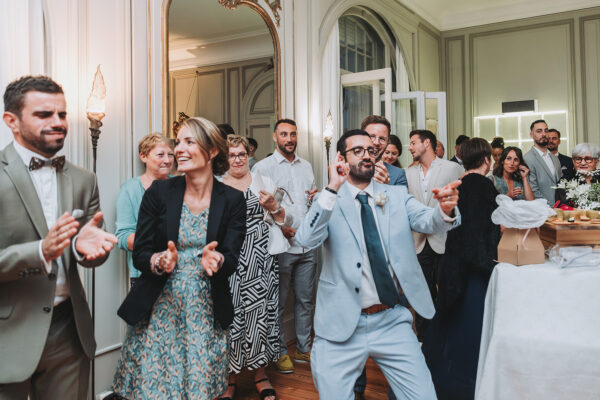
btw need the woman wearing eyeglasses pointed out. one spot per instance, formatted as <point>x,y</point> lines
<point>254,333</point>
<point>585,161</point>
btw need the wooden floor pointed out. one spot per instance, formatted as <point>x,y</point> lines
<point>299,385</point>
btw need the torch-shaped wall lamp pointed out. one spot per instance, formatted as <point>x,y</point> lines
<point>328,134</point>
<point>95,108</point>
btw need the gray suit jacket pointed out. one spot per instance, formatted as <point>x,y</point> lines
<point>338,295</point>
<point>540,177</point>
<point>441,172</point>
<point>26,289</point>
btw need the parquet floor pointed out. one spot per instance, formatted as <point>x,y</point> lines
<point>299,385</point>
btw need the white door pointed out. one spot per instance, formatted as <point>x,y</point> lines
<point>418,110</point>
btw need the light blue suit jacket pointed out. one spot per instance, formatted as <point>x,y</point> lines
<point>338,294</point>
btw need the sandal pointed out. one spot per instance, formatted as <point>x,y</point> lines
<point>228,398</point>
<point>265,392</point>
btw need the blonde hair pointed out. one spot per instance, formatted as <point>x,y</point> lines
<point>236,140</point>
<point>208,136</point>
<point>149,141</point>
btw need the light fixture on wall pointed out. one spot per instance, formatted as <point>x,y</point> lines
<point>328,134</point>
<point>95,107</point>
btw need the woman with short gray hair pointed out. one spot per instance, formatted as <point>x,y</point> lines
<point>585,161</point>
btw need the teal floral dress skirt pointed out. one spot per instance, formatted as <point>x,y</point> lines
<point>178,352</point>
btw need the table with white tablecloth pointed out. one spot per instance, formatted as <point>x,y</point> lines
<point>541,334</point>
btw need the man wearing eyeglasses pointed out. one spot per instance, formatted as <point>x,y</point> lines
<point>544,167</point>
<point>296,266</point>
<point>370,274</point>
<point>379,128</point>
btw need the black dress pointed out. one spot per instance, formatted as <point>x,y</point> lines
<point>451,345</point>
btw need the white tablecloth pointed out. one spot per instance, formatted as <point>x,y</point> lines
<point>541,334</point>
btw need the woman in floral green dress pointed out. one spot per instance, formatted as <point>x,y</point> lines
<point>189,235</point>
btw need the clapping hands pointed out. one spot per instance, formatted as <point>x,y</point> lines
<point>211,260</point>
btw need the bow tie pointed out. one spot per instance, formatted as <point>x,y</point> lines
<point>57,163</point>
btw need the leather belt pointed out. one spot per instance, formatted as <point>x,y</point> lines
<point>374,309</point>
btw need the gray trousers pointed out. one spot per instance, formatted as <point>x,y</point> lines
<point>63,371</point>
<point>297,270</point>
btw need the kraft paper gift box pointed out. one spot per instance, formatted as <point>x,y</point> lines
<point>521,247</point>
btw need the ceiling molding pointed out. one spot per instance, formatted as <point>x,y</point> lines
<point>469,13</point>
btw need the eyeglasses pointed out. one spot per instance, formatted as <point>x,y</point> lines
<point>360,151</point>
<point>588,160</point>
<point>241,156</point>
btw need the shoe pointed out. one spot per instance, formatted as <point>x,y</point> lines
<point>228,398</point>
<point>302,357</point>
<point>266,392</point>
<point>359,395</point>
<point>284,364</point>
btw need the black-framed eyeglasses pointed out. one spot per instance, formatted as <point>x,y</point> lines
<point>359,151</point>
<point>241,156</point>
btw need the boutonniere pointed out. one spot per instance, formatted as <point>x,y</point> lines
<point>380,200</point>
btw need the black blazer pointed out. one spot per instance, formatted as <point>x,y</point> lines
<point>158,222</point>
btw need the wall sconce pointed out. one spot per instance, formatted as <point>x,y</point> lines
<point>328,134</point>
<point>95,108</point>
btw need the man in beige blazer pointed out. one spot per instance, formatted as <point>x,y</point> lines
<point>427,173</point>
<point>49,214</point>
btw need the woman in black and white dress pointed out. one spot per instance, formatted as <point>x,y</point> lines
<point>253,335</point>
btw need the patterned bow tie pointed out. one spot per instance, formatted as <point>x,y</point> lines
<point>57,163</point>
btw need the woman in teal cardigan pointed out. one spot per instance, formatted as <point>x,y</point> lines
<point>156,152</point>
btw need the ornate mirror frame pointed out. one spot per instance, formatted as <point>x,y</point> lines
<point>274,8</point>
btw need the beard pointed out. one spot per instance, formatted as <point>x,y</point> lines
<point>363,171</point>
<point>550,146</point>
<point>282,148</point>
<point>542,142</point>
<point>43,143</point>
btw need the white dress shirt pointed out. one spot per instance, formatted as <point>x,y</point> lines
<point>424,178</point>
<point>46,185</point>
<point>296,178</point>
<point>548,160</point>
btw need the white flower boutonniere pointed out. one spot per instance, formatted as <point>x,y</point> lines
<point>380,200</point>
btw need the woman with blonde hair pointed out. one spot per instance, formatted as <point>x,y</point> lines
<point>189,234</point>
<point>156,153</point>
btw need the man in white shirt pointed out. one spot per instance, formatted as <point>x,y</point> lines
<point>296,266</point>
<point>544,167</point>
<point>429,172</point>
<point>46,331</point>
<point>369,265</point>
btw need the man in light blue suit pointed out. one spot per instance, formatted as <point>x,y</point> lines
<point>370,268</point>
<point>379,129</point>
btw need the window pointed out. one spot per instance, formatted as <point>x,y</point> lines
<point>361,49</point>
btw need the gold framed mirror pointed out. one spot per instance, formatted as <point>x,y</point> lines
<point>221,60</point>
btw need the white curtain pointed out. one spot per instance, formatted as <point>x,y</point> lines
<point>22,46</point>
<point>402,122</point>
<point>331,90</point>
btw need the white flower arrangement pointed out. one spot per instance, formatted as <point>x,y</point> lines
<point>380,200</point>
<point>584,195</point>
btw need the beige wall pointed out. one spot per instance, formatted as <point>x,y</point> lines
<point>553,59</point>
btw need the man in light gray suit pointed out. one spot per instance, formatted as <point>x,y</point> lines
<point>370,269</point>
<point>46,333</point>
<point>544,167</point>
<point>429,172</point>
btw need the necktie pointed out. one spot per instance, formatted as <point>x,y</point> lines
<point>57,163</point>
<point>386,289</point>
